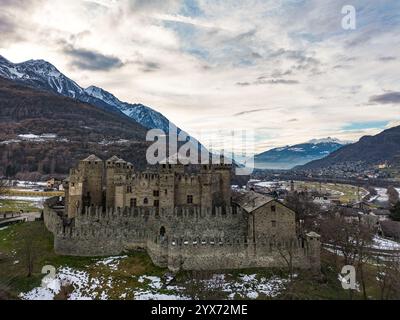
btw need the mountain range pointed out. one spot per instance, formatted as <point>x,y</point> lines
<point>43,75</point>
<point>43,134</point>
<point>289,157</point>
<point>369,150</point>
<point>48,122</point>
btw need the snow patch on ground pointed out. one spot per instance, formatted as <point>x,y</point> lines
<point>385,244</point>
<point>98,286</point>
<point>111,262</point>
<point>247,286</point>
<point>382,194</point>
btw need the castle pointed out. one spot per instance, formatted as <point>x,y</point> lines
<point>185,221</point>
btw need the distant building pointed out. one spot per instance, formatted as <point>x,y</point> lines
<point>54,183</point>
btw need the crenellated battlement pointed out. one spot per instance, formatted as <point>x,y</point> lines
<point>182,220</point>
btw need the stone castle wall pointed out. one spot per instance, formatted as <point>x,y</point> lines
<point>184,238</point>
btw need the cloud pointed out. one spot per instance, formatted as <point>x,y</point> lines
<point>7,24</point>
<point>154,6</point>
<point>249,112</point>
<point>264,81</point>
<point>203,68</point>
<point>387,58</point>
<point>277,81</point>
<point>92,60</point>
<point>386,98</point>
<point>148,66</point>
<point>243,84</point>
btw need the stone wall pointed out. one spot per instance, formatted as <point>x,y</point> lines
<point>184,238</point>
<point>217,254</point>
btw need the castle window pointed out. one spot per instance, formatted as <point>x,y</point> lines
<point>133,203</point>
<point>273,223</point>
<point>156,203</point>
<point>156,193</point>
<point>166,191</point>
<point>190,199</point>
<point>162,231</point>
<point>146,201</point>
<point>273,208</point>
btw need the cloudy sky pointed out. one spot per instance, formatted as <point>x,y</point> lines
<point>284,68</point>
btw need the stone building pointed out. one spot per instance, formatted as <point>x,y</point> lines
<point>115,184</point>
<point>188,221</point>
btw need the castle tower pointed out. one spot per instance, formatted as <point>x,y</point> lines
<point>314,250</point>
<point>85,187</point>
<point>224,170</point>
<point>292,186</point>
<point>92,169</point>
<point>110,187</point>
<point>167,185</point>
<point>206,197</point>
<point>74,193</point>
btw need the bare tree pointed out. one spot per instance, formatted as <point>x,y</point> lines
<point>352,240</point>
<point>3,186</point>
<point>287,252</point>
<point>388,277</point>
<point>28,248</point>
<point>393,195</point>
<point>65,291</point>
<point>372,191</point>
<point>306,210</point>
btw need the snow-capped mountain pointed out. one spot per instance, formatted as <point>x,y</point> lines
<point>291,156</point>
<point>330,140</point>
<point>40,74</point>
<point>140,113</point>
<point>43,75</point>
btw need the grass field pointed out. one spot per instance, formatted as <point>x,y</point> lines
<point>16,200</point>
<point>18,205</point>
<point>31,193</point>
<point>134,273</point>
<point>345,193</point>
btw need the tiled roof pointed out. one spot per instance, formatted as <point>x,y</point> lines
<point>250,200</point>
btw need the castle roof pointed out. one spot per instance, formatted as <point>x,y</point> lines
<point>114,158</point>
<point>92,158</point>
<point>120,161</point>
<point>250,200</point>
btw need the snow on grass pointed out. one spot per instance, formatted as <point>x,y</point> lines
<point>247,286</point>
<point>111,262</point>
<point>385,244</point>
<point>43,137</point>
<point>78,279</point>
<point>153,290</point>
<point>382,194</point>
<point>102,280</point>
<point>148,295</point>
